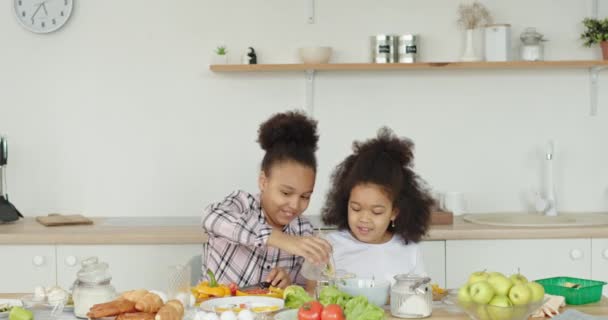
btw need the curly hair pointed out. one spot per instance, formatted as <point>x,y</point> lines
<point>385,161</point>
<point>288,136</point>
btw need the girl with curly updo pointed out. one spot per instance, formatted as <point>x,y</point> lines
<point>381,208</point>
<point>264,237</point>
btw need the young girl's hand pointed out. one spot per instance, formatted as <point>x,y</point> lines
<point>278,277</point>
<point>313,249</point>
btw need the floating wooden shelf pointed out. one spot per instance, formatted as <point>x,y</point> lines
<point>573,64</point>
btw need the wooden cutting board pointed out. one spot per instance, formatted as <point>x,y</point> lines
<point>54,220</point>
<point>442,217</point>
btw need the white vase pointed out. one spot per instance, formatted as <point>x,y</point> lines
<point>220,59</point>
<point>470,53</point>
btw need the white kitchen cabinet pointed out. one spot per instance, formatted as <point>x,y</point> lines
<point>131,266</point>
<point>536,258</point>
<point>23,267</point>
<point>599,267</point>
<point>433,253</point>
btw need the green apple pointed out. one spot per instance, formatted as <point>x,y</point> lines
<point>538,291</point>
<point>500,308</point>
<point>494,273</point>
<point>520,312</point>
<point>518,278</point>
<point>520,294</point>
<point>500,283</point>
<point>463,294</point>
<point>478,276</point>
<point>482,313</point>
<point>500,301</point>
<point>481,292</point>
<point>18,313</point>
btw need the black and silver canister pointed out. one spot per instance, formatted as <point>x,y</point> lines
<point>384,48</point>
<point>407,48</point>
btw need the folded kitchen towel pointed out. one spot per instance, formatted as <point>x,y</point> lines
<point>551,307</point>
<point>572,314</point>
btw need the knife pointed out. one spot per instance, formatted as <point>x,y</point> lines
<point>261,285</point>
<point>3,151</point>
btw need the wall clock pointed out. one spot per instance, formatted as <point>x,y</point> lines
<point>43,16</point>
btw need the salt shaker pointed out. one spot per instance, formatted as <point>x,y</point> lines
<point>411,296</point>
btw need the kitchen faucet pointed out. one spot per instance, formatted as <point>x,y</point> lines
<point>547,204</point>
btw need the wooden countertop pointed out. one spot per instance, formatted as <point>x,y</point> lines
<point>103,231</point>
<point>130,230</point>
<point>444,312</point>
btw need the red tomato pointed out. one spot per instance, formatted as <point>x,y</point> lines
<point>310,311</point>
<point>233,287</point>
<point>332,312</point>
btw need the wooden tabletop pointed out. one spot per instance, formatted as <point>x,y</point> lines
<point>445,312</point>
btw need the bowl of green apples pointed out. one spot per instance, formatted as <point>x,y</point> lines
<point>494,296</point>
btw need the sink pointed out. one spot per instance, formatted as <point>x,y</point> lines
<point>538,220</point>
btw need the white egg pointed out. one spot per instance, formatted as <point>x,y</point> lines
<point>199,315</point>
<point>39,293</point>
<point>245,315</point>
<point>211,316</point>
<point>228,315</point>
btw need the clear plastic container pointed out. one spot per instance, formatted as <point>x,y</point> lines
<point>92,286</point>
<point>583,291</point>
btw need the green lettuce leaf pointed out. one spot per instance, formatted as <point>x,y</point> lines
<point>295,297</point>
<point>331,295</point>
<point>358,308</point>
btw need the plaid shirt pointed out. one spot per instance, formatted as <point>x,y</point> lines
<point>237,250</point>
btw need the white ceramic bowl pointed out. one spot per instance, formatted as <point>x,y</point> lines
<point>315,55</point>
<point>376,294</point>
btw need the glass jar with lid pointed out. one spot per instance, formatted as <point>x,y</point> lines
<point>92,286</point>
<point>411,296</point>
<point>532,45</point>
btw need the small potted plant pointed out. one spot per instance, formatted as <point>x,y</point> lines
<point>221,55</point>
<point>596,32</point>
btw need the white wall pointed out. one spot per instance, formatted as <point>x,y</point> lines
<point>117,113</point>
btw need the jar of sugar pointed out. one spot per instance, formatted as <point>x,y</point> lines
<point>411,296</point>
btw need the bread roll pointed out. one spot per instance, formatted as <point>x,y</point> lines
<point>136,316</point>
<point>150,302</point>
<point>134,295</point>
<point>172,310</point>
<point>112,308</point>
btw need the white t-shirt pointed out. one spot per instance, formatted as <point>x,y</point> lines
<point>383,261</point>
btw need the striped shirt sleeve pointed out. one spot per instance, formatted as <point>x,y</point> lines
<point>236,220</point>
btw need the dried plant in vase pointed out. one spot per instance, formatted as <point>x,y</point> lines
<point>471,17</point>
<point>474,15</point>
